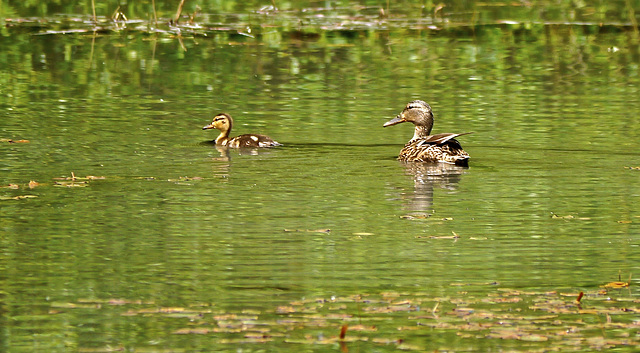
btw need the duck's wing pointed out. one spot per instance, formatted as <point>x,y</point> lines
<point>440,139</point>
<point>252,140</point>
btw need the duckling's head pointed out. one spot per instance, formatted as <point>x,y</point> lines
<point>417,112</point>
<point>222,122</point>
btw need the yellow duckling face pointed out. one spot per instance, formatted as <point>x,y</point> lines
<point>221,122</point>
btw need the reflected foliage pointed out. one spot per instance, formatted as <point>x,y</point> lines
<point>471,11</point>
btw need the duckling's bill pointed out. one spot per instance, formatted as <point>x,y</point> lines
<point>207,127</point>
<point>397,120</point>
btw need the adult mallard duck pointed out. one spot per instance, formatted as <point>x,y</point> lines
<point>424,147</point>
<point>224,123</point>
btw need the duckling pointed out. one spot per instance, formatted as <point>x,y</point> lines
<point>224,123</point>
<point>424,147</point>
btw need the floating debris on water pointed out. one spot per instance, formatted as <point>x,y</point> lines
<point>308,230</point>
<point>19,197</point>
<point>14,141</point>
<point>501,314</point>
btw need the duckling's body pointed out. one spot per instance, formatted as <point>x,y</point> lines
<point>224,123</point>
<point>424,147</point>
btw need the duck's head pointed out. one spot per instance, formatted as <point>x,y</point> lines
<point>416,112</point>
<point>222,122</point>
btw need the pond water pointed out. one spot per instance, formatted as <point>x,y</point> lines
<point>122,227</point>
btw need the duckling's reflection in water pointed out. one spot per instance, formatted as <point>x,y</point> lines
<point>426,177</point>
<point>224,154</point>
<point>221,168</point>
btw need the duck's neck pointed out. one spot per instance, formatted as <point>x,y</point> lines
<point>223,138</point>
<point>421,132</point>
<point>423,126</point>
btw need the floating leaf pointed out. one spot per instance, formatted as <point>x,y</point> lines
<point>75,306</point>
<point>454,236</point>
<point>534,338</point>
<point>22,197</point>
<point>19,197</point>
<point>616,285</point>
<point>308,230</point>
<point>195,330</point>
<point>493,313</point>
<point>71,184</point>
<point>286,310</point>
<point>503,300</point>
<point>186,178</point>
<point>73,177</point>
<point>14,141</point>
<point>362,328</point>
<point>555,216</point>
<point>421,216</point>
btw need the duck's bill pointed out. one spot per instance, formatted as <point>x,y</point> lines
<point>210,126</point>
<point>396,120</point>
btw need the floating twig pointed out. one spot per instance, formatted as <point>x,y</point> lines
<point>343,331</point>
<point>155,14</point>
<point>93,7</point>
<point>118,16</point>
<point>192,17</point>
<point>435,309</point>
<point>181,42</point>
<point>179,12</point>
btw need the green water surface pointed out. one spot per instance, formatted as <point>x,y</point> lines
<point>182,246</point>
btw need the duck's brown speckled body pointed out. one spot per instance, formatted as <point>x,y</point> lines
<point>224,123</point>
<point>424,147</point>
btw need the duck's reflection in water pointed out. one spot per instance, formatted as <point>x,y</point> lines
<point>427,177</point>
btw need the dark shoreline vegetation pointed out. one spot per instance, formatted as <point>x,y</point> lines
<point>310,23</point>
